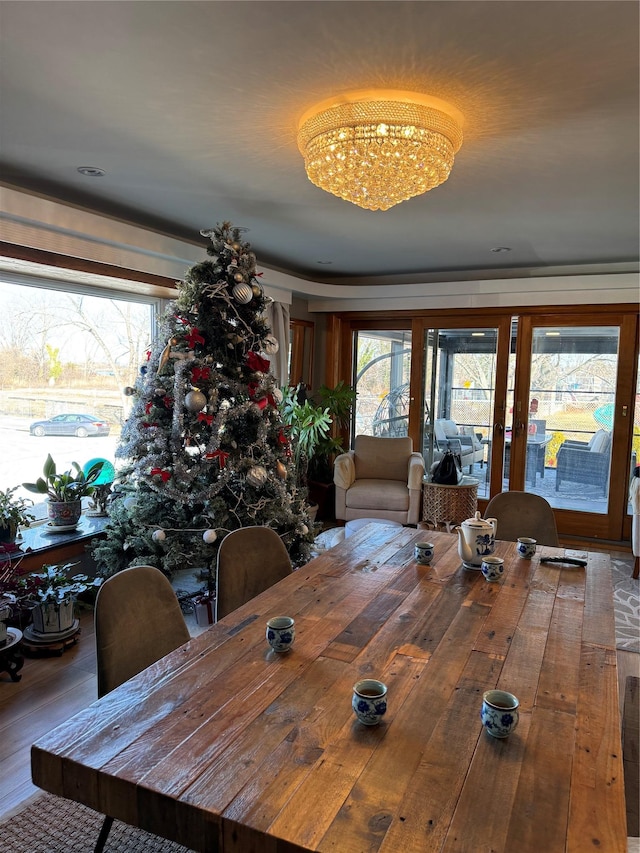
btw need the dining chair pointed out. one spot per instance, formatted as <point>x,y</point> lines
<point>523,514</point>
<point>137,620</point>
<point>250,560</point>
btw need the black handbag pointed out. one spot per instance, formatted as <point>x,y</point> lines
<point>448,471</point>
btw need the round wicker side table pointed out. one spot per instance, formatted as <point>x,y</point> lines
<point>449,505</point>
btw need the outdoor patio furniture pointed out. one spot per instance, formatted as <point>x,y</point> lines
<point>463,441</point>
<point>379,478</point>
<point>586,463</point>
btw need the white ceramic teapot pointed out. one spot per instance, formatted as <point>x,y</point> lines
<point>476,539</point>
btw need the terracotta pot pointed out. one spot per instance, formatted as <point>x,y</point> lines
<point>64,513</point>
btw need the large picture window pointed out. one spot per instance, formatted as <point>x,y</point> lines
<point>66,358</point>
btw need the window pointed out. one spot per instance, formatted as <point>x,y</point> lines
<point>67,356</point>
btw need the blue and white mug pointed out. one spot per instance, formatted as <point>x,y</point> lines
<point>369,701</point>
<point>499,712</point>
<point>526,547</point>
<point>423,552</point>
<point>492,568</point>
<point>281,632</point>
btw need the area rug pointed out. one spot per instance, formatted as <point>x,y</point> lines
<point>626,602</point>
<point>51,824</point>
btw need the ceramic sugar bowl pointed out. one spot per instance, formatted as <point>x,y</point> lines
<point>476,539</point>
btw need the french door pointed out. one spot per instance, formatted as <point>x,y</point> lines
<point>543,403</point>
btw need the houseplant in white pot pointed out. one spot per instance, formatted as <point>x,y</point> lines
<point>50,595</point>
<point>65,491</point>
<point>14,513</point>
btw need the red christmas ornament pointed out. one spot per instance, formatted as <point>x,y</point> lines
<point>160,472</point>
<point>256,362</point>
<point>220,455</point>
<point>194,337</point>
<point>200,373</point>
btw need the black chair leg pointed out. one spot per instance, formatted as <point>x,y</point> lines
<point>104,833</point>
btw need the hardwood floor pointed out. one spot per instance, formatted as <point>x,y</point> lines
<point>52,689</point>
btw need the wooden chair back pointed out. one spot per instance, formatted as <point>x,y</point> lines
<point>250,560</point>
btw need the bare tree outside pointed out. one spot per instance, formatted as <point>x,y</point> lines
<point>66,352</point>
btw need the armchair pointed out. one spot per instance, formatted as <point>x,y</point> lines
<point>379,478</point>
<point>461,440</point>
<point>585,462</point>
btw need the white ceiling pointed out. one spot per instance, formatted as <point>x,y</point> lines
<point>191,108</point>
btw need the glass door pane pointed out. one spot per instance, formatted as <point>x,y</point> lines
<point>382,374</point>
<point>459,398</point>
<point>569,423</point>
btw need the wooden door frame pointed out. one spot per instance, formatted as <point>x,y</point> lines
<point>340,328</point>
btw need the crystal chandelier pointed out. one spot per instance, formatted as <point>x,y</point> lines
<point>378,148</point>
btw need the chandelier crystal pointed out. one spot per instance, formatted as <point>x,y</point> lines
<point>379,148</point>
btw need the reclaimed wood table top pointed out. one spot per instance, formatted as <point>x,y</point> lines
<point>225,745</point>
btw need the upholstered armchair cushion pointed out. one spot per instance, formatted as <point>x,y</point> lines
<point>382,459</point>
<point>461,440</point>
<point>379,478</point>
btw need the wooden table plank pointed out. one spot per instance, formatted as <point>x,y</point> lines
<point>596,818</point>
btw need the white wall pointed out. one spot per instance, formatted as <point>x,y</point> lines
<point>50,225</point>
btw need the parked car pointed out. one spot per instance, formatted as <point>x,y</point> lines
<point>79,425</point>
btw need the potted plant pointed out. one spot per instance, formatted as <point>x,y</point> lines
<point>50,595</point>
<point>65,491</point>
<point>312,427</point>
<point>14,512</point>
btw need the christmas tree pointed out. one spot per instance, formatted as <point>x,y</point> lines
<point>205,450</point>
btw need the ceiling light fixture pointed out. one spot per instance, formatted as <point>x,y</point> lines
<point>378,148</point>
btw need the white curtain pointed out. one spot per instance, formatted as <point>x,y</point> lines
<point>277,315</point>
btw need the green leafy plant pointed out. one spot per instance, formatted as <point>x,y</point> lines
<point>14,511</point>
<point>310,427</point>
<point>67,486</point>
<point>51,586</point>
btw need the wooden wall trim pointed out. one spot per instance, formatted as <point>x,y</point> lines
<point>364,319</point>
<point>43,257</point>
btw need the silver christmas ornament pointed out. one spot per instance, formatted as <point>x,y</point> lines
<point>195,401</point>
<point>242,293</point>
<point>271,345</point>
<point>209,537</point>
<point>158,535</point>
<point>257,475</point>
<point>277,395</point>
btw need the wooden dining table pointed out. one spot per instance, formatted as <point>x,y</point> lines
<point>225,745</point>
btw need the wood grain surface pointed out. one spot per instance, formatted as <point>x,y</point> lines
<point>225,745</point>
